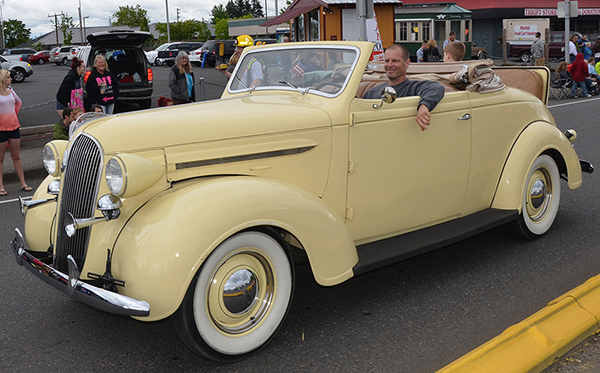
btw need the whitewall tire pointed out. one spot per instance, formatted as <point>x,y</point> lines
<point>238,299</point>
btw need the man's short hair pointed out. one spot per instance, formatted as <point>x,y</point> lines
<point>67,112</point>
<point>452,33</point>
<point>456,50</point>
<point>591,59</point>
<point>402,49</point>
<point>538,34</point>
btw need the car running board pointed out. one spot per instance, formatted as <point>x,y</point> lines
<point>392,250</point>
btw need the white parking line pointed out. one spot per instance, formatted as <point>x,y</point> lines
<point>13,200</point>
<point>577,101</point>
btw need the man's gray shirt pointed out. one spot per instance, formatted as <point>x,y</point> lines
<point>537,48</point>
<point>431,92</point>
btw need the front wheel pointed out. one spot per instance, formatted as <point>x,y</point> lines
<point>238,299</point>
<point>541,198</point>
<point>64,61</point>
<point>145,104</point>
<point>18,75</point>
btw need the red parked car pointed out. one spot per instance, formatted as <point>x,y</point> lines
<point>40,57</point>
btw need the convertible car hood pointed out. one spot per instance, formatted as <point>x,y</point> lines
<point>222,119</point>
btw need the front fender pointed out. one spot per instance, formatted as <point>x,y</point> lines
<point>39,219</point>
<point>536,139</point>
<point>164,244</point>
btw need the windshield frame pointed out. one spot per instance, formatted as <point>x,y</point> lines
<point>280,47</point>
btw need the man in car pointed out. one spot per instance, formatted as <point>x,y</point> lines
<point>61,128</point>
<point>396,62</point>
<point>252,75</point>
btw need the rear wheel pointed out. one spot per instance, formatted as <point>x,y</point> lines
<point>64,60</point>
<point>525,56</point>
<point>40,61</point>
<point>238,299</point>
<point>541,199</point>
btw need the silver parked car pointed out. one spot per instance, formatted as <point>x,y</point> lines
<point>19,70</point>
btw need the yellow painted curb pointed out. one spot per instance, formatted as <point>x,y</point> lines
<point>533,344</point>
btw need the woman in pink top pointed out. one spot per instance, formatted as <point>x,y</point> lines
<point>10,104</point>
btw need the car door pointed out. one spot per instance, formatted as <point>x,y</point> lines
<point>401,178</point>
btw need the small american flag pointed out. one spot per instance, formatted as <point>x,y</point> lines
<point>298,72</point>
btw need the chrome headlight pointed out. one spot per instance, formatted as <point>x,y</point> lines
<point>116,176</point>
<point>52,155</point>
<point>50,159</point>
<point>127,175</point>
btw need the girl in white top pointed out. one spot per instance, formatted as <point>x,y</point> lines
<point>10,104</point>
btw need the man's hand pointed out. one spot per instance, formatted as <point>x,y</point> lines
<point>423,117</point>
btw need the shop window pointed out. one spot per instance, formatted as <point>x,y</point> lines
<point>313,22</point>
<point>300,28</point>
<point>413,31</point>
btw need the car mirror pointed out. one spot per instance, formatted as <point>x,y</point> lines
<point>388,95</point>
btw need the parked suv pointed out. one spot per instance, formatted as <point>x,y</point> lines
<point>18,54</point>
<point>61,55</point>
<point>168,54</point>
<point>126,60</point>
<point>212,49</point>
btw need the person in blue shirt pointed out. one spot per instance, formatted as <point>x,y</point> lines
<point>181,80</point>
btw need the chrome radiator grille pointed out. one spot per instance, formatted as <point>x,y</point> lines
<point>78,196</point>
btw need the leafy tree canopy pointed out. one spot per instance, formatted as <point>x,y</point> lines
<point>222,28</point>
<point>132,16</point>
<point>218,13</point>
<point>64,25</point>
<point>15,33</point>
<point>184,30</point>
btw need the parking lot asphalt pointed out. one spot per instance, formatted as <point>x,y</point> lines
<point>575,355</point>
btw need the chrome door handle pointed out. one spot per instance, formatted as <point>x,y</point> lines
<point>465,117</point>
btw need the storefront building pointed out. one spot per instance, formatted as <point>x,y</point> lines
<point>315,20</point>
<point>487,16</point>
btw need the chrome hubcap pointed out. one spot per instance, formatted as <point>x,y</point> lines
<point>241,291</point>
<point>539,196</point>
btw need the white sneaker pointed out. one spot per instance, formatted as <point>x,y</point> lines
<point>588,96</point>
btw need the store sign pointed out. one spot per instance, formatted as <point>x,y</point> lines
<point>525,31</point>
<point>554,12</point>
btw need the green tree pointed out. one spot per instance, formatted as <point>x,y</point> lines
<point>64,25</point>
<point>15,33</point>
<point>132,16</point>
<point>256,9</point>
<point>287,5</point>
<point>218,12</point>
<point>222,29</point>
<point>183,30</point>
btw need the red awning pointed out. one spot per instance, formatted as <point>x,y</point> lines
<point>299,7</point>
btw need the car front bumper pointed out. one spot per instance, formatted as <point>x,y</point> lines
<point>71,285</point>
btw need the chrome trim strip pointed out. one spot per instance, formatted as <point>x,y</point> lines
<point>71,285</point>
<point>242,158</point>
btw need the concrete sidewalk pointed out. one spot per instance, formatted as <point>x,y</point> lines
<point>33,140</point>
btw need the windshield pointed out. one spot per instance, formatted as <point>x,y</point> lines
<point>163,47</point>
<point>83,118</point>
<point>323,70</point>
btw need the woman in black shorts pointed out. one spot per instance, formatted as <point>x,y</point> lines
<point>10,104</point>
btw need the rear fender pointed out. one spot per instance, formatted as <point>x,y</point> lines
<point>163,245</point>
<point>538,138</point>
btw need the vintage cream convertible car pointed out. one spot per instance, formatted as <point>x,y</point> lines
<point>196,212</point>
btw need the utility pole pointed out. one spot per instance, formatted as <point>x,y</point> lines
<point>80,25</point>
<point>177,14</point>
<point>55,15</point>
<point>168,30</point>
<point>2,23</point>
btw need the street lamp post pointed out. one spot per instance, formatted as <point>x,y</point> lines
<point>2,23</point>
<point>168,30</point>
<point>84,31</point>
